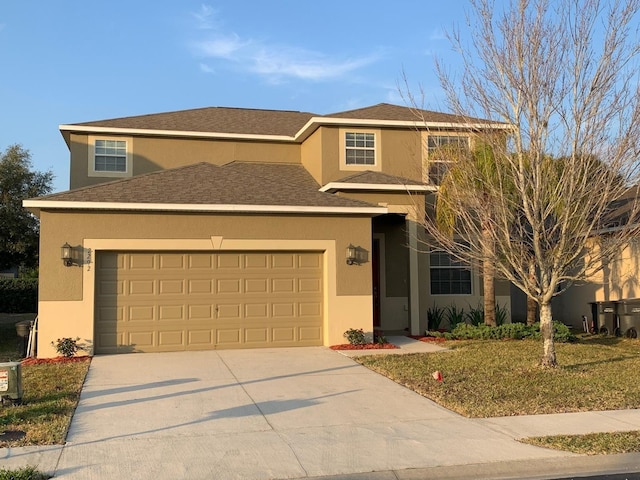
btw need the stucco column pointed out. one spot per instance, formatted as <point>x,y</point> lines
<point>414,272</point>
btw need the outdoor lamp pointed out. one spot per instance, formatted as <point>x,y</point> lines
<point>66,255</point>
<point>351,255</point>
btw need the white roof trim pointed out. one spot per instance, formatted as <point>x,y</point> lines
<point>398,123</point>
<point>180,207</point>
<point>285,138</point>
<point>333,186</point>
<point>170,133</point>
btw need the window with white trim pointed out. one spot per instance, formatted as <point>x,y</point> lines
<point>360,148</point>
<point>439,165</point>
<point>449,276</point>
<point>110,156</point>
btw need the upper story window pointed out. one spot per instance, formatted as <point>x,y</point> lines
<point>441,149</point>
<point>448,275</point>
<point>359,149</point>
<point>109,157</point>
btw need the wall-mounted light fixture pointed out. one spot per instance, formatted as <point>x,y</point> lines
<point>352,255</point>
<point>66,252</point>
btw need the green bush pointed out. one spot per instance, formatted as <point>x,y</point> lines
<point>24,473</point>
<point>355,336</point>
<point>516,331</point>
<point>435,316</point>
<point>19,295</point>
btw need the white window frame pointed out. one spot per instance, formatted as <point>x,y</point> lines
<point>92,172</point>
<point>376,166</point>
<point>454,265</point>
<point>427,161</point>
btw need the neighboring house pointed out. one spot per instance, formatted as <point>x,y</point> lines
<point>231,228</point>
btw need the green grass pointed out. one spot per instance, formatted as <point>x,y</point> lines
<point>502,378</point>
<point>50,395</point>
<point>25,473</point>
<point>591,444</point>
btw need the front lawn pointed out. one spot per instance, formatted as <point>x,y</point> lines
<point>502,377</point>
<point>50,395</point>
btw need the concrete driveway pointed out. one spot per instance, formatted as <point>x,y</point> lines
<point>258,414</point>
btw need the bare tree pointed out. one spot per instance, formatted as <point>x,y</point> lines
<point>564,75</point>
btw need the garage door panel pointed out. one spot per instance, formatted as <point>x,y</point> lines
<point>171,261</point>
<point>199,312</point>
<point>142,261</point>
<point>143,313</point>
<point>228,286</point>
<point>163,301</point>
<point>171,338</point>
<point>171,287</point>
<point>170,312</point>
<point>141,287</point>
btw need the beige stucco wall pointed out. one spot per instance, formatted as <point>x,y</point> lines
<point>399,151</point>
<point>66,293</point>
<point>158,153</point>
<point>617,280</point>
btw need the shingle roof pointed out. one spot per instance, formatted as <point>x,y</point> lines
<point>236,183</point>
<point>378,178</point>
<point>245,121</point>
<point>214,120</point>
<point>386,111</point>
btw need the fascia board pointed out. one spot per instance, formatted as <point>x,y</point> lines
<point>177,207</point>
<point>337,186</point>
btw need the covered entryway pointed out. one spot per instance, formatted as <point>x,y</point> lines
<point>170,301</point>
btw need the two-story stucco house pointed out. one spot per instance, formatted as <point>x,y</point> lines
<point>237,228</point>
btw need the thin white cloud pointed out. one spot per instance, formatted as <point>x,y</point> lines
<point>228,47</point>
<point>206,68</point>
<point>205,17</point>
<point>274,62</point>
<point>302,64</point>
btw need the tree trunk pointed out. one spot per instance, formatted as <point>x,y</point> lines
<point>546,330</point>
<point>488,283</point>
<point>532,310</point>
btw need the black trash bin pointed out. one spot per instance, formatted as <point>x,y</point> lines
<point>23,329</point>
<point>605,317</point>
<point>629,313</point>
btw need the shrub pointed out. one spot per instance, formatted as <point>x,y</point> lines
<point>355,336</point>
<point>435,316</point>
<point>475,316</point>
<point>454,316</point>
<point>67,347</point>
<point>515,331</point>
<point>19,295</point>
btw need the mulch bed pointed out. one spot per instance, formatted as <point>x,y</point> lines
<point>366,346</point>
<point>422,338</point>
<point>38,361</point>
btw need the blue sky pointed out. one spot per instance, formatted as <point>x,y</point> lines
<point>76,61</point>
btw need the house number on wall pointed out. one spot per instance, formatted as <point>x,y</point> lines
<point>87,259</point>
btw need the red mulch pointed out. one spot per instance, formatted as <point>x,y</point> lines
<point>38,361</point>
<point>422,338</point>
<point>366,346</point>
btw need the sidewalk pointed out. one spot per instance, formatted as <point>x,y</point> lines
<point>295,413</point>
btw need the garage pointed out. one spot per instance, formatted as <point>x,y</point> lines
<point>171,301</point>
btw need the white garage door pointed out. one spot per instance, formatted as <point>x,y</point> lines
<point>169,301</point>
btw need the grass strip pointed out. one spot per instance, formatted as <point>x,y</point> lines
<point>591,443</point>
